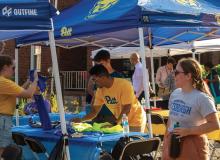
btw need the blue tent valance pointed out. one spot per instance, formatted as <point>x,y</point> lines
<point>25,15</point>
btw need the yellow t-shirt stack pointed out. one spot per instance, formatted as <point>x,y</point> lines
<point>8,92</point>
<point>121,93</point>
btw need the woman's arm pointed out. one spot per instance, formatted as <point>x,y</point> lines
<point>211,125</point>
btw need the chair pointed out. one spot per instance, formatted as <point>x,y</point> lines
<point>140,149</point>
<point>158,125</point>
<point>12,152</point>
<point>214,143</point>
<point>18,138</point>
<point>36,147</point>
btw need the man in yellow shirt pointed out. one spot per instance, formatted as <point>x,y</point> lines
<point>118,95</point>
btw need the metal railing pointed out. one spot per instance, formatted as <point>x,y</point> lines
<point>74,79</point>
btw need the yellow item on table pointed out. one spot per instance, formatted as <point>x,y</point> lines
<point>82,127</point>
<point>100,127</point>
<point>107,127</point>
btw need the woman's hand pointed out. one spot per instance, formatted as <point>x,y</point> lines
<point>181,132</point>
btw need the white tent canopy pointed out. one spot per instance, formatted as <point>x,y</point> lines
<point>125,52</point>
<point>164,51</point>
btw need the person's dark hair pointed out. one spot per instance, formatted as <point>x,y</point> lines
<point>99,70</point>
<point>192,66</point>
<point>5,60</point>
<point>171,60</point>
<point>102,55</point>
<point>209,65</point>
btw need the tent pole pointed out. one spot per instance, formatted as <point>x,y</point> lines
<point>56,4</point>
<point>194,53</point>
<point>145,79</point>
<point>152,73</point>
<point>199,58</point>
<point>58,89</point>
<point>32,57</point>
<point>16,80</point>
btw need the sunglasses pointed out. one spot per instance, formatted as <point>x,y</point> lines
<point>176,72</point>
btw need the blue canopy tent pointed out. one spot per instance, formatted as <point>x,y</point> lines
<point>120,23</point>
<point>24,17</point>
<point>100,17</point>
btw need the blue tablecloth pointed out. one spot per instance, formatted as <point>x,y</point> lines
<point>83,148</point>
<point>23,120</point>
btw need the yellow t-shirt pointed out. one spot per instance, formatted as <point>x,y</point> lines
<point>8,92</point>
<point>120,93</point>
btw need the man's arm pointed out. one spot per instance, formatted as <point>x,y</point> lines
<point>139,77</point>
<point>158,77</point>
<point>26,84</point>
<point>90,87</point>
<point>94,111</point>
<point>125,110</point>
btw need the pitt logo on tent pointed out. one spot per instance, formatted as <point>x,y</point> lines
<point>101,6</point>
<point>66,32</point>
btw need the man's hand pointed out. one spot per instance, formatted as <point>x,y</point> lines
<point>76,120</point>
<point>161,85</point>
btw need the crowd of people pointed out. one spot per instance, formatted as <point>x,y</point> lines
<point>191,99</point>
<point>191,103</point>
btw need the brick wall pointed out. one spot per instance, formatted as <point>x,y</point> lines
<point>73,59</point>
<point>63,4</point>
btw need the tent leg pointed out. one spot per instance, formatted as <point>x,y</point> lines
<point>58,88</point>
<point>152,74</point>
<point>32,57</point>
<point>16,80</point>
<point>145,78</point>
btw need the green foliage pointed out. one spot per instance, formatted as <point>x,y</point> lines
<point>204,73</point>
<point>22,102</point>
<point>218,69</point>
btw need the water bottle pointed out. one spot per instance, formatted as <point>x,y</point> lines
<point>32,119</point>
<point>175,144</point>
<point>125,125</point>
<point>143,102</point>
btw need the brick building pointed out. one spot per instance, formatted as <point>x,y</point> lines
<point>76,59</point>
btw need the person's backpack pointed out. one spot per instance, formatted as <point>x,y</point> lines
<point>104,155</point>
<point>131,148</point>
<point>12,152</point>
<point>58,152</point>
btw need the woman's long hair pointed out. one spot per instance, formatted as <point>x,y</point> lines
<point>192,66</point>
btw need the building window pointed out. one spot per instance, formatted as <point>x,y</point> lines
<point>37,54</point>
